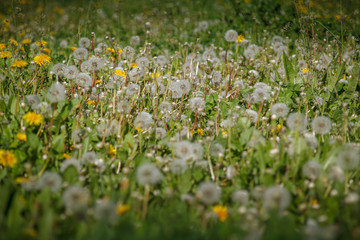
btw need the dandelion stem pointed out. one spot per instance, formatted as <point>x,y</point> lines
<point>145,201</point>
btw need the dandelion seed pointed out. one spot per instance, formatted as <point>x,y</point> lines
<point>311,169</point>
<point>178,166</point>
<point>143,120</point>
<point>135,40</point>
<point>83,80</point>
<point>51,180</point>
<point>89,157</point>
<point>96,64</point>
<point>280,110</point>
<point>197,104</point>
<point>240,197</point>
<point>217,150</point>
<point>56,93</point>
<point>106,211</point>
<point>128,53</point>
<point>84,42</point>
<point>71,72</point>
<point>123,107</point>
<point>176,91</point>
<point>321,125</point>
<point>78,135</point>
<point>32,100</point>
<point>231,35</point>
<point>59,69</point>
<point>160,133</point>
<point>80,53</point>
<point>336,174</point>
<point>183,150</point>
<point>70,162</point>
<point>251,114</point>
<point>311,140</point>
<point>348,158</point>
<point>208,193</point>
<point>276,198</point>
<point>297,121</point>
<point>75,199</point>
<point>148,173</point>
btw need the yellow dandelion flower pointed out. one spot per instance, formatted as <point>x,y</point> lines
<point>73,48</point>
<point>19,64</point>
<point>139,129</point>
<point>98,81</point>
<point>71,147</point>
<point>42,59</point>
<point>90,102</point>
<point>240,38</point>
<point>304,70</point>
<point>6,22</point>
<point>66,156</point>
<point>112,150</point>
<point>21,137</point>
<point>13,42</point>
<point>33,118</point>
<point>111,50</point>
<point>5,54</point>
<point>120,51</point>
<point>337,17</point>
<point>153,75</point>
<point>120,73</point>
<point>41,43</point>
<point>221,211</point>
<point>59,10</point>
<point>278,127</point>
<point>133,65</point>
<point>200,131</point>
<point>224,133</point>
<point>7,158</point>
<point>123,208</point>
<point>20,180</point>
<point>48,51</point>
<point>2,46</point>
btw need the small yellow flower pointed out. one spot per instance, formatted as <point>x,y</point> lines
<point>200,131</point>
<point>112,150</point>
<point>26,41</point>
<point>98,81</point>
<point>120,73</point>
<point>19,64</point>
<point>46,50</point>
<point>139,129</point>
<point>6,22</point>
<point>240,38</point>
<point>42,59</point>
<point>2,46</point>
<point>71,147</point>
<point>120,51</point>
<point>5,54</point>
<point>21,137</point>
<point>221,211</point>
<point>304,70</point>
<point>337,17</point>
<point>59,10</point>
<point>153,75</point>
<point>41,43</point>
<point>20,180</point>
<point>33,118</point>
<point>224,133</point>
<point>7,158</point>
<point>133,65</point>
<point>111,50</point>
<point>66,156</point>
<point>278,127</point>
<point>73,48</point>
<point>91,102</point>
<point>123,208</point>
<point>13,42</point>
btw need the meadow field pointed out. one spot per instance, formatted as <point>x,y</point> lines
<point>179,119</point>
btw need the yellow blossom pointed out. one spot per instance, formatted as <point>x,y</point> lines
<point>13,42</point>
<point>111,50</point>
<point>224,133</point>
<point>304,70</point>
<point>66,156</point>
<point>120,73</point>
<point>41,43</point>
<point>133,65</point>
<point>278,127</point>
<point>120,51</point>
<point>200,131</point>
<point>6,22</point>
<point>7,158</point>
<point>48,51</point>
<point>240,38</point>
<point>59,10</point>
<point>337,17</point>
<point>33,118</point>
<point>123,208</point>
<point>112,150</point>
<point>221,211</point>
<point>2,46</point>
<point>73,48</point>
<point>19,64</point>
<point>153,75</point>
<point>91,102</point>
<point>20,180</point>
<point>5,54</point>
<point>139,130</point>
<point>42,59</point>
<point>21,137</point>
<point>98,81</point>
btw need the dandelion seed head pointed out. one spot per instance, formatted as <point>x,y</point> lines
<point>208,193</point>
<point>148,173</point>
<point>56,93</point>
<point>321,125</point>
<point>280,110</point>
<point>297,121</point>
<point>75,199</point>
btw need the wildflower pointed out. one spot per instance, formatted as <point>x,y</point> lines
<point>96,64</point>
<point>56,93</point>
<point>129,53</point>
<point>197,104</point>
<point>70,162</point>
<point>7,158</point>
<point>276,198</point>
<point>13,42</point>
<point>216,150</point>
<point>58,69</point>
<point>105,211</point>
<point>240,197</point>
<point>90,102</point>
<point>280,110</point>
<point>240,38</point>
<point>5,54</point>
<point>21,137</point>
<point>143,120</point>
<point>183,150</point>
<point>231,35</point>
<point>19,64</point>
<point>51,180</point>
<point>42,59</point>
<point>165,107</point>
<point>133,65</point>
<point>71,72</point>
<point>221,212</point>
<point>66,156</point>
<point>73,48</point>
<point>135,40</point>
<point>251,114</point>
<point>120,73</point>
<point>251,51</point>
<point>142,62</point>
<point>297,121</point>
<point>47,50</point>
<point>321,125</point>
<point>41,43</point>
<point>123,208</point>
<point>33,118</point>
<point>311,169</point>
<point>120,51</point>
<point>75,199</point>
<point>80,53</point>
<point>148,173</point>
<point>208,193</point>
<point>348,158</point>
<point>311,140</point>
<point>337,173</point>
<point>84,42</point>
<point>2,46</point>
<point>200,131</point>
<point>304,70</point>
<point>176,91</point>
<point>112,150</point>
<point>224,133</point>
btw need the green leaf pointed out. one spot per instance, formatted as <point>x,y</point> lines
<point>58,143</point>
<point>289,70</point>
<point>334,80</point>
<point>353,82</point>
